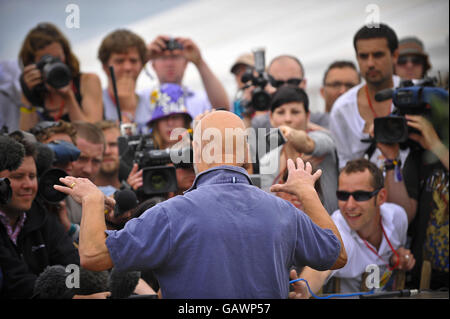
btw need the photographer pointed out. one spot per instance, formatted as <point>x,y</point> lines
<point>30,238</point>
<point>170,57</point>
<point>53,90</point>
<point>421,187</point>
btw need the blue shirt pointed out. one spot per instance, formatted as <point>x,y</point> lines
<point>224,238</point>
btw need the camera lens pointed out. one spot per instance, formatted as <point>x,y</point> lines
<point>159,180</point>
<point>46,181</point>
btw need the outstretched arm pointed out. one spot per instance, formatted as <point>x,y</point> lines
<point>301,182</point>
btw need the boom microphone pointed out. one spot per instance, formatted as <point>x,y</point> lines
<point>123,284</point>
<point>11,153</point>
<point>125,200</point>
<point>384,95</point>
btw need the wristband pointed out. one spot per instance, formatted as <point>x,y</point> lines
<point>394,165</point>
<point>72,229</point>
<point>27,109</point>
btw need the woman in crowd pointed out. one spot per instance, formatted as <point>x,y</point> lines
<point>77,96</point>
<point>290,113</point>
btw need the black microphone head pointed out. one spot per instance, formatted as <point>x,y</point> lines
<point>123,284</point>
<point>92,282</point>
<point>44,158</point>
<point>384,95</point>
<point>11,153</point>
<point>51,284</point>
<point>125,200</point>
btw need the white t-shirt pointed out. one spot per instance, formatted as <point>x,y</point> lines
<point>359,256</point>
<point>347,126</point>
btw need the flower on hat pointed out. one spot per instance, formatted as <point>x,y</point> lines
<point>154,96</point>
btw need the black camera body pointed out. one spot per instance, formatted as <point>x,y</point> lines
<point>260,100</point>
<point>5,191</point>
<point>158,178</point>
<point>173,44</point>
<point>54,72</point>
<point>409,98</point>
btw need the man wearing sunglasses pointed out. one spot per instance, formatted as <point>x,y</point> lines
<point>373,231</point>
<point>412,62</point>
<point>282,70</point>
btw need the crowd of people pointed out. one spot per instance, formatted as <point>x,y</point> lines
<point>330,199</point>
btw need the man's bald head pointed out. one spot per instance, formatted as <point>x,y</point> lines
<point>220,138</point>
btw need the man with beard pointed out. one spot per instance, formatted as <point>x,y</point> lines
<point>353,112</point>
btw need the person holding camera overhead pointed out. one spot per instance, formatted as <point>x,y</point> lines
<point>170,57</point>
<point>53,86</point>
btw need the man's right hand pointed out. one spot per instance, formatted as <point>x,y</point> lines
<point>299,179</point>
<point>157,48</point>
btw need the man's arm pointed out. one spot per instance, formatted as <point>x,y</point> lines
<point>300,182</point>
<point>315,280</point>
<point>94,254</point>
<point>214,89</point>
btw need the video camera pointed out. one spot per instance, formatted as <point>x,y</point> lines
<point>260,100</point>
<point>409,98</point>
<point>158,178</point>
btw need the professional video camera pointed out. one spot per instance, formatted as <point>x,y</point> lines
<point>158,178</point>
<point>260,100</point>
<point>55,153</point>
<point>54,72</point>
<point>415,98</point>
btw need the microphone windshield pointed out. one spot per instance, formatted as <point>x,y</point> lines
<point>11,153</point>
<point>125,200</point>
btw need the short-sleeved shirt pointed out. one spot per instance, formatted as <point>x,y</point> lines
<point>224,238</point>
<point>347,128</point>
<point>359,256</point>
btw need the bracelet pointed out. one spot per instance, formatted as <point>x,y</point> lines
<point>72,229</point>
<point>394,164</point>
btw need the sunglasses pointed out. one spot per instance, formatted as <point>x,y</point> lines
<point>279,83</point>
<point>359,196</point>
<point>416,60</point>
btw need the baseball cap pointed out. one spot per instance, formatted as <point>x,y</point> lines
<point>245,59</point>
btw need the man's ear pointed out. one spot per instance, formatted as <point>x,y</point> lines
<point>381,196</point>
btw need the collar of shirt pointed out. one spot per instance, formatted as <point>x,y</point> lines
<point>13,233</point>
<point>221,175</point>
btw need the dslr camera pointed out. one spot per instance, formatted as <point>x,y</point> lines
<point>260,100</point>
<point>54,72</point>
<point>158,178</point>
<point>409,98</point>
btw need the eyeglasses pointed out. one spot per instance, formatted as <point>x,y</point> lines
<point>279,83</point>
<point>404,59</point>
<point>338,84</point>
<point>359,196</point>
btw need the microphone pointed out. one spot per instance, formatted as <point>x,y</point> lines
<point>388,294</point>
<point>384,95</point>
<point>44,158</point>
<point>125,200</point>
<point>11,153</point>
<point>123,284</point>
<point>52,283</point>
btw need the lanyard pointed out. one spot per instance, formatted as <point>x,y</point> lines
<point>390,245</point>
<point>370,102</point>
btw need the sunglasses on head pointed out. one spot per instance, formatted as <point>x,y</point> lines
<point>416,60</point>
<point>279,83</point>
<point>359,196</point>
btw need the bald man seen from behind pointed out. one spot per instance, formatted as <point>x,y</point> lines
<point>224,238</point>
